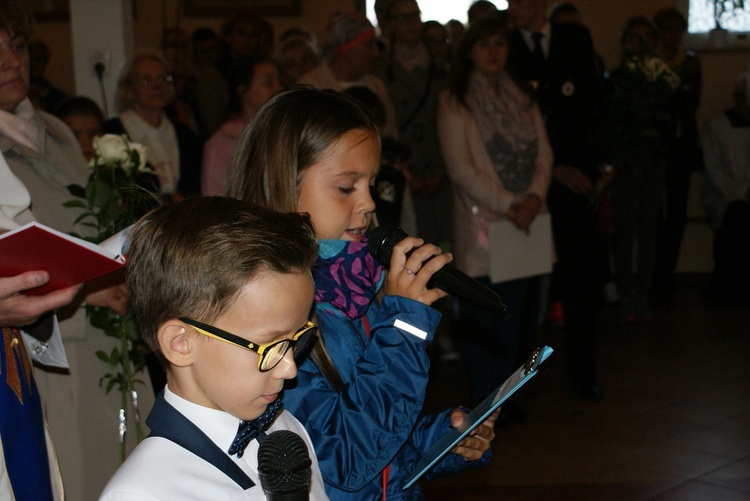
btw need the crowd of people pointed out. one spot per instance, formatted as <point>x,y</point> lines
<point>447,130</point>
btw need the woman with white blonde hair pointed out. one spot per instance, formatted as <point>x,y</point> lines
<point>144,92</point>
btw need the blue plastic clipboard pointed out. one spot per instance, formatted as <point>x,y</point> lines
<point>479,414</point>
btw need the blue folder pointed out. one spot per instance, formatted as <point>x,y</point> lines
<point>479,414</point>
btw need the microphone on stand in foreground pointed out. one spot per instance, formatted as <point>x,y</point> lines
<point>284,467</point>
<point>380,243</point>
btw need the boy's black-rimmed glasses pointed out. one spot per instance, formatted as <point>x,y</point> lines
<point>270,354</point>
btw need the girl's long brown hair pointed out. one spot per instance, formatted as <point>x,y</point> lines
<point>290,133</point>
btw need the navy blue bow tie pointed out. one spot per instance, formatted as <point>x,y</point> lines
<point>248,430</point>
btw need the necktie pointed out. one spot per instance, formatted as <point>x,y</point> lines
<point>248,430</point>
<point>538,56</point>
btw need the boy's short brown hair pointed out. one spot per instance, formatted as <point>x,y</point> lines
<point>192,258</point>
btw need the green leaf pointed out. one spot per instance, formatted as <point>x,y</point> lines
<point>131,330</point>
<point>83,216</point>
<point>101,317</point>
<point>100,194</point>
<point>76,203</point>
<point>77,190</point>
<point>102,355</point>
<point>110,385</point>
<point>137,357</point>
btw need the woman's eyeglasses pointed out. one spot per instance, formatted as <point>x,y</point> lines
<point>150,82</point>
<point>270,354</point>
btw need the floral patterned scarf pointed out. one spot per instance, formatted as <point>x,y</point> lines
<point>347,277</point>
<point>503,116</point>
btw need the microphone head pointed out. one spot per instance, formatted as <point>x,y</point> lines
<point>382,239</point>
<point>284,463</point>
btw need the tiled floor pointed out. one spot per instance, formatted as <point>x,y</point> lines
<point>674,423</point>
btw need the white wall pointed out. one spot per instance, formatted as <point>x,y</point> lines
<point>102,30</point>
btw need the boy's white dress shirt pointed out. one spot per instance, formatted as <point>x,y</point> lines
<point>159,469</point>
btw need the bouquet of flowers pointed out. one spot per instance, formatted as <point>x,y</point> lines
<point>112,200</point>
<point>640,113</point>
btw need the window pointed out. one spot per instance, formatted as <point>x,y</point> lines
<point>701,18</point>
<point>439,10</point>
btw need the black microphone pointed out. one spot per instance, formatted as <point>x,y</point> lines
<point>284,467</point>
<point>380,243</point>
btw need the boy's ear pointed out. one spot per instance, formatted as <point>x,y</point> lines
<point>175,343</point>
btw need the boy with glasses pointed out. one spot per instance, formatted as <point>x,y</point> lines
<point>222,292</point>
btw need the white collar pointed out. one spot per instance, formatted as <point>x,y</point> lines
<point>14,197</point>
<point>546,32</point>
<point>22,127</point>
<point>221,427</point>
<point>132,120</point>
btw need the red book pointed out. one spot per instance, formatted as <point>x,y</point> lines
<point>68,260</point>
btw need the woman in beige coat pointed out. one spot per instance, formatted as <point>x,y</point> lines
<point>498,159</point>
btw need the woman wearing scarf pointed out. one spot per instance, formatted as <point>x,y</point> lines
<point>498,159</point>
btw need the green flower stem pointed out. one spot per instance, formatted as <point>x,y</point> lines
<point>124,424</point>
<point>128,381</point>
<point>111,201</point>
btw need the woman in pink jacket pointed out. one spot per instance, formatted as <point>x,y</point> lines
<point>254,81</point>
<point>498,159</point>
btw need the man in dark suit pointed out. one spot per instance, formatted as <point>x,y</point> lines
<point>557,62</point>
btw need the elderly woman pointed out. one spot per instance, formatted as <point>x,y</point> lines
<point>43,157</point>
<point>498,160</point>
<point>174,151</point>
